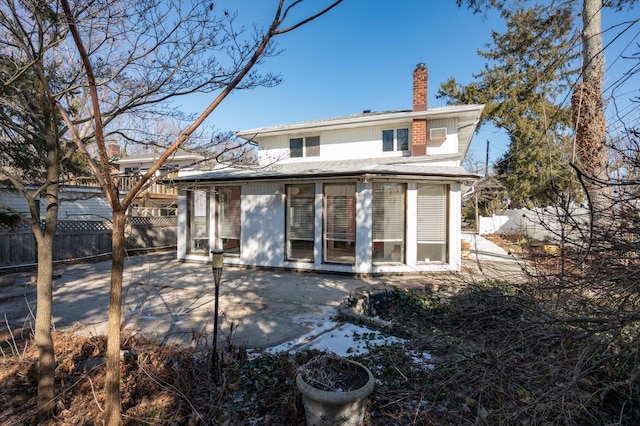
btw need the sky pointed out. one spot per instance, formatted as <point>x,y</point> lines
<point>361,56</point>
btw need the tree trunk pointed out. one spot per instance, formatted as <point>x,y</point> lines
<point>588,112</point>
<point>44,341</point>
<point>45,240</point>
<point>113,405</point>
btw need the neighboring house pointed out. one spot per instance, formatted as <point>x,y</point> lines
<point>156,199</point>
<point>77,203</point>
<point>376,192</point>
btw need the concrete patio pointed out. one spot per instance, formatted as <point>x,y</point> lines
<point>174,301</point>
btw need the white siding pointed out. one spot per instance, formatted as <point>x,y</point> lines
<point>262,219</point>
<point>364,223</point>
<point>455,231</point>
<point>357,143</point>
<point>15,201</point>
<point>448,146</point>
<point>76,204</point>
<point>342,144</point>
<point>80,205</point>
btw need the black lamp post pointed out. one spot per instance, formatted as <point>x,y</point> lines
<point>216,267</point>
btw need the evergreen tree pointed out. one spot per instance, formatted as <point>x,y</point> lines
<point>524,86</point>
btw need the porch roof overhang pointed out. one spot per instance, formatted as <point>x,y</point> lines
<point>405,168</point>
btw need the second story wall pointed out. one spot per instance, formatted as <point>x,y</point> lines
<point>437,145</point>
<point>380,141</point>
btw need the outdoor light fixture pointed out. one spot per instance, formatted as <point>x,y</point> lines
<point>217,263</point>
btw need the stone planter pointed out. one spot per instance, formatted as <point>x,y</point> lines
<point>344,406</point>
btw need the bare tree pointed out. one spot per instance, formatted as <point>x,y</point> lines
<point>33,156</point>
<point>136,57</point>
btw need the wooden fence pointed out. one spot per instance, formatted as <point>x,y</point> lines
<point>82,239</point>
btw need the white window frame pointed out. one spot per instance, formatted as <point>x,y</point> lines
<point>198,222</point>
<point>305,150</point>
<point>395,142</point>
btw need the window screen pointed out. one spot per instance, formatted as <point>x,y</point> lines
<point>313,146</point>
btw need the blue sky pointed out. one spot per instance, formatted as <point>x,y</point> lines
<point>362,54</point>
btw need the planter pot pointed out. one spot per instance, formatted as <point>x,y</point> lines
<point>333,407</point>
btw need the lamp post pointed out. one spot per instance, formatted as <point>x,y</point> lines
<point>216,267</point>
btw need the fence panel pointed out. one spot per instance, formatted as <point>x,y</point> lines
<point>17,245</point>
<point>542,223</point>
<point>81,239</point>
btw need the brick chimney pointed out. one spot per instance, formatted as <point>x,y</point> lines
<point>113,150</point>
<point>420,75</point>
<point>419,126</point>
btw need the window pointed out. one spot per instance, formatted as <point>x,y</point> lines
<point>229,219</point>
<point>313,146</point>
<point>339,223</point>
<point>295,147</point>
<point>401,141</point>
<point>307,147</point>
<point>432,223</point>
<point>198,204</point>
<point>387,140</point>
<point>388,222</point>
<point>300,222</point>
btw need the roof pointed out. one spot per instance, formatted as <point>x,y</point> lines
<point>179,155</point>
<point>406,167</point>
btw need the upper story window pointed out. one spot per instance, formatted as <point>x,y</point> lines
<point>395,140</point>
<point>304,147</point>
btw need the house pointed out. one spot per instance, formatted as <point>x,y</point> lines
<point>376,192</point>
<point>80,203</point>
<point>157,198</point>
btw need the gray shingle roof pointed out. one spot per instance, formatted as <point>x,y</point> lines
<point>401,166</point>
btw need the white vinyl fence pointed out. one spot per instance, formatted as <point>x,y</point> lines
<point>550,223</point>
